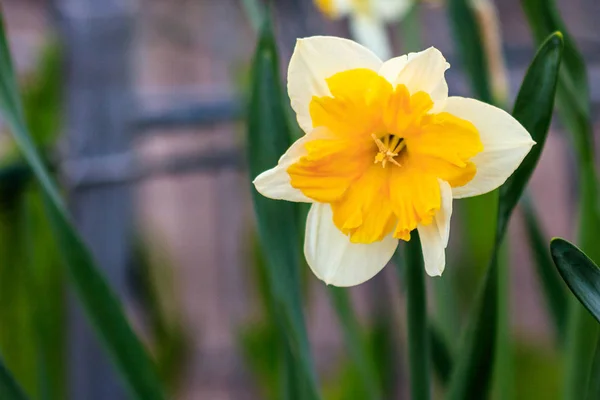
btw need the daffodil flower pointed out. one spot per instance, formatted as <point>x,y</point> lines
<point>367,19</point>
<point>385,152</point>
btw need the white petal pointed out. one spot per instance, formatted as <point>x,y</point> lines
<point>434,252</point>
<point>392,10</point>
<point>442,218</point>
<point>316,59</point>
<point>334,259</point>
<point>424,71</point>
<point>392,67</point>
<point>275,182</point>
<point>370,31</point>
<point>434,237</point>
<point>505,144</point>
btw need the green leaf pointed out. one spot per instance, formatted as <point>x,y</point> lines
<point>583,278</point>
<point>544,18</point>
<point>417,324</point>
<point>533,109</point>
<point>9,388</point>
<point>573,103</point>
<point>268,139</point>
<point>101,305</point>
<point>580,273</point>
<point>42,96</point>
<point>552,286</point>
<point>467,37</point>
<point>18,297</point>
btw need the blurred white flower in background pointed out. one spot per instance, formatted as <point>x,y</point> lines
<point>367,19</point>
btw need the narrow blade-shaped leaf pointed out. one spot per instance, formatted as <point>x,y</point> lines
<point>580,273</point>
<point>533,109</point>
<point>573,104</point>
<point>583,278</point>
<point>473,371</point>
<point>101,305</point>
<point>9,388</point>
<point>544,18</point>
<point>268,139</point>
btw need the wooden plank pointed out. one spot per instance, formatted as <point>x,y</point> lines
<point>98,39</point>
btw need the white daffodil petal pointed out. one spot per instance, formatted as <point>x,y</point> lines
<point>392,10</point>
<point>334,259</point>
<point>316,59</point>
<point>370,31</point>
<point>424,71</point>
<point>434,251</point>
<point>434,237</point>
<point>275,182</point>
<point>442,217</point>
<point>392,67</point>
<point>505,144</point>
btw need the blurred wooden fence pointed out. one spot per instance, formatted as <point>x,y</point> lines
<point>149,80</point>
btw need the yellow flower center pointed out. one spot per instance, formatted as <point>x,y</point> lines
<point>389,148</point>
<point>378,154</point>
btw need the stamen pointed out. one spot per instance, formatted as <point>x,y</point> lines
<point>388,149</point>
<point>379,143</point>
<point>394,142</point>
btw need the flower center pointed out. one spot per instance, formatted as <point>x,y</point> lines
<point>389,148</point>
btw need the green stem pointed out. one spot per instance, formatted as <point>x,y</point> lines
<point>418,335</point>
<point>355,344</point>
<point>504,378</point>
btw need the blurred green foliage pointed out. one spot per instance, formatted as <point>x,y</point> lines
<point>32,296</point>
<point>574,107</point>
<point>533,109</point>
<point>276,347</point>
<point>153,276</point>
<point>269,136</point>
<point>100,303</point>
